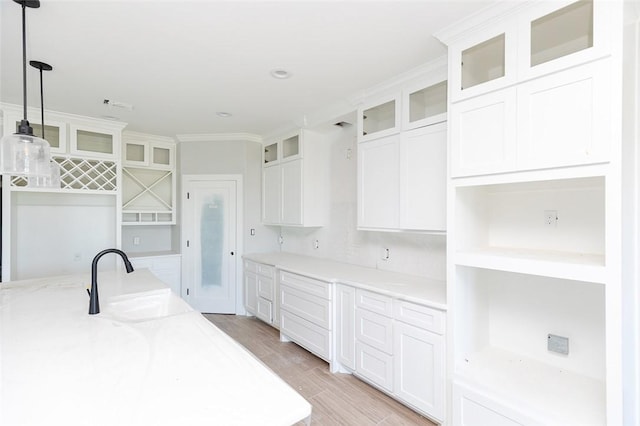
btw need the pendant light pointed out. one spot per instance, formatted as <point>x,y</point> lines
<point>23,154</point>
<point>52,179</point>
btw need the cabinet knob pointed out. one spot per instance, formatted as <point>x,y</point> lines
<point>231,253</point>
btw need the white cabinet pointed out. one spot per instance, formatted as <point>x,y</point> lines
<point>534,219</point>
<point>295,181</point>
<point>143,150</point>
<point>402,181</point>
<point>55,131</point>
<point>419,367</point>
<point>399,348</point>
<point>306,313</point>
<point>378,183</point>
<point>148,180</point>
<point>165,267</point>
<point>345,326</point>
<point>402,156</point>
<point>260,291</point>
<point>94,141</point>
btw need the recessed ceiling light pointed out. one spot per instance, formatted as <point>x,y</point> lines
<point>223,114</point>
<point>280,74</point>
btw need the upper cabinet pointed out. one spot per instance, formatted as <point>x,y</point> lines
<point>532,89</point>
<point>285,149</point>
<point>379,118</point>
<point>148,180</point>
<point>295,180</point>
<point>402,152</point>
<point>537,39</point>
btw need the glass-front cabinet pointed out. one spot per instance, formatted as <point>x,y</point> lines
<point>55,132</point>
<point>423,105</point>
<point>379,118</point>
<point>93,141</point>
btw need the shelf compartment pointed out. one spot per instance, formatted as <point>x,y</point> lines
<point>561,33</point>
<point>502,226</point>
<point>556,264</point>
<point>483,62</point>
<point>542,390</point>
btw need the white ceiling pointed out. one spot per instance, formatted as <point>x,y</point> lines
<point>181,61</point>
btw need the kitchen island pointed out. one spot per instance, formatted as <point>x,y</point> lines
<point>146,359</point>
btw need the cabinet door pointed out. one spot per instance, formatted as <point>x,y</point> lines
<point>264,310</point>
<point>135,153</point>
<point>265,288</point>
<point>564,118</point>
<point>483,62</point>
<point>379,118</point>
<point>162,156</point>
<point>419,368</point>
<point>271,195</point>
<point>250,292</point>
<point>423,174</point>
<point>94,141</point>
<point>55,132</point>
<point>345,326</point>
<point>292,184</point>
<point>375,330</point>
<point>374,366</point>
<point>561,34</point>
<point>378,182</point>
<point>483,134</point>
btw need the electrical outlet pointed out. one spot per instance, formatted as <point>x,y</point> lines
<point>385,253</point>
<point>252,231</point>
<point>280,240</point>
<point>316,244</point>
<point>136,241</point>
<point>558,344</point>
<point>551,218</point>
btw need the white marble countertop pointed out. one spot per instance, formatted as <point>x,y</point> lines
<point>426,291</point>
<point>59,365</point>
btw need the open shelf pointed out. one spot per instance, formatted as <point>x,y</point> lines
<point>504,227</point>
<point>551,394</point>
<point>147,197</point>
<point>504,320</point>
<point>566,265</point>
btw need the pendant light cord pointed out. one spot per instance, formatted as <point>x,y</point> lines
<point>42,103</point>
<point>24,61</point>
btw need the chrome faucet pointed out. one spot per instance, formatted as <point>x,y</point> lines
<point>94,304</point>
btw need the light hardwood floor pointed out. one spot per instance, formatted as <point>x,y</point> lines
<point>337,399</point>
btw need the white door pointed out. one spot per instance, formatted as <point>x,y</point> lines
<point>209,227</point>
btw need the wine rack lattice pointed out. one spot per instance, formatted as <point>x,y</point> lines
<point>81,174</point>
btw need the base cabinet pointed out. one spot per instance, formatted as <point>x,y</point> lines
<point>395,345</point>
<point>419,368</point>
<point>259,291</point>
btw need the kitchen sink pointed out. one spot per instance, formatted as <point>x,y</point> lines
<point>144,306</point>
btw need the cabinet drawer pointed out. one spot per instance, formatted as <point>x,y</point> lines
<point>308,306</point>
<point>375,330</point>
<point>250,266</point>
<point>374,366</point>
<point>266,270</point>
<point>264,310</point>
<point>420,316</point>
<point>265,288</point>
<point>374,302</point>
<point>306,284</point>
<point>308,335</point>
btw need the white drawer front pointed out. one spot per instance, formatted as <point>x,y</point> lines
<point>265,288</point>
<point>305,305</point>
<point>374,366</point>
<point>420,316</point>
<point>309,285</point>
<point>374,302</point>
<point>250,266</point>
<point>266,270</point>
<point>374,330</point>
<point>264,310</point>
<point>308,335</point>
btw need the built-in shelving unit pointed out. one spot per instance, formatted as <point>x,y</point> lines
<point>534,201</point>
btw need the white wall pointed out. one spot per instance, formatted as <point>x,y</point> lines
<point>416,254</point>
<point>58,234</point>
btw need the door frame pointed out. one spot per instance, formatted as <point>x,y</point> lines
<point>186,180</point>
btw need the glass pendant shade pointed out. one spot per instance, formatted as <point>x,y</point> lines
<point>24,155</point>
<point>50,180</point>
